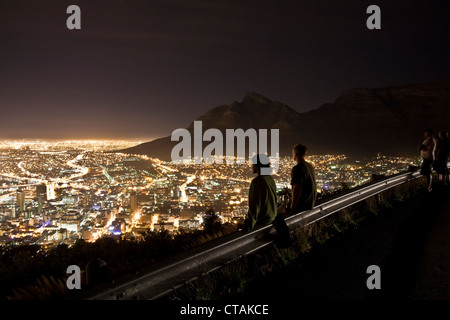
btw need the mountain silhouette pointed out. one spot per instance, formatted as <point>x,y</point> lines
<point>361,122</point>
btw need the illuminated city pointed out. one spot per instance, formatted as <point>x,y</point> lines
<point>54,192</point>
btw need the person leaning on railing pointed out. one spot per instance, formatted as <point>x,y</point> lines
<point>303,182</point>
<point>427,152</point>
<point>262,196</point>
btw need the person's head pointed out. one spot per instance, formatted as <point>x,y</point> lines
<point>443,134</point>
<point>260,161</point>
<point>428,133</point>
<point>299,152</point>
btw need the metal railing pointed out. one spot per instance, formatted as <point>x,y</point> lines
<point>173,273</point>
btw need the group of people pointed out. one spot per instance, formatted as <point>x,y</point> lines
<point>264,208</point>
<point>263,201</point>
<point>435,154</point>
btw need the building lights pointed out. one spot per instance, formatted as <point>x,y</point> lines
<point>95,186</point>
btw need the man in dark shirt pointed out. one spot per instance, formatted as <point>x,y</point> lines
<point>303,182</point>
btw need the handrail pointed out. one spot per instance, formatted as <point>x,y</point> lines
<point>169,275</point>
<point>321,211</point>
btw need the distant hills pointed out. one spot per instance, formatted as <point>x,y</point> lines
<point>361,122</point>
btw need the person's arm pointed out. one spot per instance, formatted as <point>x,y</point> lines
<point>296,194</point>
<point>433,149</point>
<point>253,207</point>
<point>425,145</point>
<point>296,189</point>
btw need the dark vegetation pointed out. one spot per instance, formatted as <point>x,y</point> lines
<point>27,272</point>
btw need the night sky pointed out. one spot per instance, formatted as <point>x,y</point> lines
<point>140,69</point>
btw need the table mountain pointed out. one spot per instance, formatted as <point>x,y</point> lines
<point>361,122</point>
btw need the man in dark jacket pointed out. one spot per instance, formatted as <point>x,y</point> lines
<point>262,196</point>
<point>263,203</point>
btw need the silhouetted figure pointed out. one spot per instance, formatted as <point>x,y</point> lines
<point>427,150</point>
<point>303,182</point>
<point>262,196</point>
<point>441,157</point>
<point>263,203</point>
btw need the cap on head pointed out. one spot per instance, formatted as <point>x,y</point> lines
<point>261,161</point>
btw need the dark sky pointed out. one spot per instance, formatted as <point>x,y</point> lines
<point>142,68</point>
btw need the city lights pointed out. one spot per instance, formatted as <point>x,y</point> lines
<point>54,192</point>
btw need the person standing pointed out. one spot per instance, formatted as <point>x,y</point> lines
<point>427,152</point>
<point>441,159</point>
<point>303,182</point>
